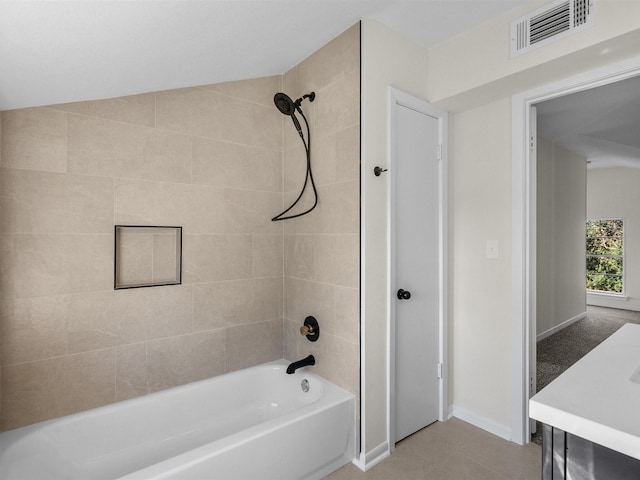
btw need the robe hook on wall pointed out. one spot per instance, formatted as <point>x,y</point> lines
<point>378,170</point>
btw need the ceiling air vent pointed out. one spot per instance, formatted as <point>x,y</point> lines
<point>550,23</point>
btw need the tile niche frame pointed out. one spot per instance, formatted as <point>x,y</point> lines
<point>119,257</point>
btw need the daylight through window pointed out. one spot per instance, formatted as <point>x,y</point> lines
<point>605,256</point>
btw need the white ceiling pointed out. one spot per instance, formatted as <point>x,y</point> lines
<point>62,51</point>
<point>602,124</point>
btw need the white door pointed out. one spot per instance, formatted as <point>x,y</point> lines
<point>417,296</point>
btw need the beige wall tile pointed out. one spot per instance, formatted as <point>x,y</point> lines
<point>335,260</point>
<point>337,106</point>
<point>55,264</point>
<point>108,148</point>
<point>323,161</point>
<point>257,90</point>
<point>33,329</point>
<point>231,165</point>
<point>339,57</point>
<point>236,302</point>
<point>204,113</point>
<point>300,256</point>
<point>138,109</point>
<point>290,83</point>
<point>7,253</point>
<point>94,323</point>
<point>340,209</point>
<point>187,358</point>
<point>167,266</point>
<point>246,211</point>
<point>268,256</point>
<point>348,154</point>
<point>44,202</point>
<point>291,332</point>
<point>198,209</point>
<point>210,258</point>
<point>266,127</point>
<point>134,262</point>
<point>34,139</point>
<point>336,359</point>
<point>295,166</point>
<point>347,324</point>
<point>37,391</point>
<point>307,222</point>
<point>153,313</point>
<point>249,345</point>
<point>132,377</point>
<point>304,298</point>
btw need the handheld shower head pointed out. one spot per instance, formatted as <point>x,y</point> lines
<point>288,107</point>
<point>284,103</point>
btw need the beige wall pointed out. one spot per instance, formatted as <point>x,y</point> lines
<point>480,131</point>
<point>483,70</point>
<point>561,216</point>
<point>322,249</point>
<point>614,193</point>
<point>208,159</point>
<point>479,288</point>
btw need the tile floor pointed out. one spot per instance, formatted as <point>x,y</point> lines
<point>452,450</point>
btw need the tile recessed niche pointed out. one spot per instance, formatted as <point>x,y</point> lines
<point>147,256</point>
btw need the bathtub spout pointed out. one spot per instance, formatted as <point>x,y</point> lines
<point>310,360</point>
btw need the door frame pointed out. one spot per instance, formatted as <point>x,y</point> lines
<point>523,221</point>
<point>398,98</point>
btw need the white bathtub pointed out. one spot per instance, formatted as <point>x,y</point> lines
<point>256,423</point>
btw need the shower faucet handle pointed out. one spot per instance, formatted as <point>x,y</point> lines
<point>306,330</point>
<point>310,329</point>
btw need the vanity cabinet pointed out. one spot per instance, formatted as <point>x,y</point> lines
<point>569,457</point>
<point>591,414</point>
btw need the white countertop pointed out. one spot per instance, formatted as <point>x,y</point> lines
<point>598,398</point>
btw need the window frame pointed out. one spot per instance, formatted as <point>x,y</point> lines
<point>623,257</point>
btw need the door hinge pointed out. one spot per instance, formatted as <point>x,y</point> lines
<point>532,142</point>
<point>439,370</point>
<point>439,152</point>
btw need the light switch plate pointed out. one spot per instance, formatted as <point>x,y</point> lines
<point>493,249</point>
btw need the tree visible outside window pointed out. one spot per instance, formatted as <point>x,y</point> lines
<point>605,259</point>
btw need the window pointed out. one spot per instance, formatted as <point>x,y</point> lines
<point>605,256</point>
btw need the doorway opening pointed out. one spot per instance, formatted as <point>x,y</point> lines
<point>524,236</point>
<point>587,160</point>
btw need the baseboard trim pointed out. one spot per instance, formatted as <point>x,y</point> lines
<point>612,302</point>
<point>491,426</point>
<point>561,326</point>
<point>367,461</point>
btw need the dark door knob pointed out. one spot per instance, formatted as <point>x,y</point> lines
<point>403,295</point>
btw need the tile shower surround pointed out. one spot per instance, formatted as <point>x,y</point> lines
<point>210,159</point>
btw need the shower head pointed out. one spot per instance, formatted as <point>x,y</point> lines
<point>287,106</point>
<point>284,103</point>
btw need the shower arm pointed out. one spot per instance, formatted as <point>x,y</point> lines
<point>308,177</point>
